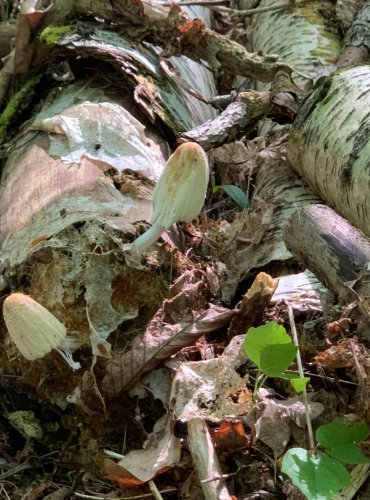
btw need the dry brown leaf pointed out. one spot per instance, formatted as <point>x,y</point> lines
<point>160,452</point>
<point>177,324</point>
<point>273,426</point>
<point>342,355</point>
<point>117,473</point>
<point>87,395</point>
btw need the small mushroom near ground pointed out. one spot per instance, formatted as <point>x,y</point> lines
<point>35,331</point>
<point>178,196</point>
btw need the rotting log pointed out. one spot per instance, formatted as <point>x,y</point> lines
<point>76,181</point>
<point>177,34</point>
<point>300,35</point>
<point>336,252</point>
<point>329,143</point>
<point>357,40</point>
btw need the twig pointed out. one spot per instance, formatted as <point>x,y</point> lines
<point>136,497</point>
<point>300,369</point>
<point>259,10</point>
<point>325,377</point>
<point>361,373</point>
<point>203,3</point>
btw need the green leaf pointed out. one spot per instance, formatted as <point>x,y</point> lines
<point>275,359</point>
<point>237,195</point>
<point>339,440</point>
<point>299,383</point>
<point>270,348</point>
<point>338,432</point>
<point>348,454</point>
<point>318,477</point>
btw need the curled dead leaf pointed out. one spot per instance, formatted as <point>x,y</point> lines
<point>180,321</point>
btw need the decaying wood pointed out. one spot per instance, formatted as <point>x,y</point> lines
<point>7,34</point>
<point>255,238</point>
<point>301,36</point>
<point>303,291</point>
<point>259,10</point>
<point>64,220</point>
<point>205,460</point>
<point>243,114</point>
<point>238,115</point>
<point>329,246</point>
<point>251,308</point>
<point>359,474</point>
<point>345,11</point>
<point>329,143</point>
<point>357,40</point>
<point>6,74</point>
<point>179,35</point>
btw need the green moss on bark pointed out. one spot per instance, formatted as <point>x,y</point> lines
<point>52,35</point>
<point>17,104</point>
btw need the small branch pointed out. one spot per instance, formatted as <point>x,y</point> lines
<point>259,10</point>
<point>136,497</point>
<point>202,3</point>
<point>248,107</point>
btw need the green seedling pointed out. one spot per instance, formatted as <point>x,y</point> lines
<point>235,193</point>
<point>321,475</point>
<point>272,350</point>
<point>318,474</point>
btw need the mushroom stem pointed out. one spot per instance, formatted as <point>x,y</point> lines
<point>66,354</point>
<point>147,239</point>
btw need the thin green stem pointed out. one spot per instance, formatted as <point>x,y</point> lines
<point>260,380</point>
<point>155,492</point>
<point>301,374</point>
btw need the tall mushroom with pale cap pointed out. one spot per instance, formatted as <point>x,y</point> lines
<point>179,194</point>
<point>35,331</point>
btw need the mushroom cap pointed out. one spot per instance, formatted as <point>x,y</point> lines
<point>181,189</point>
<point>32,328</point>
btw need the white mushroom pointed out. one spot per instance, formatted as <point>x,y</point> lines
<point>179,194</point>
<point>34,330</point>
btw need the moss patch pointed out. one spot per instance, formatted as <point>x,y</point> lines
<point>52,36</point>
<point>17,104</point>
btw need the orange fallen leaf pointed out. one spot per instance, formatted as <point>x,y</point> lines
<point>115,472</point>
<point>230,435</point>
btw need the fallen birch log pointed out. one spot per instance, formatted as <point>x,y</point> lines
<point>336,252</point>
<point>329,143</point>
